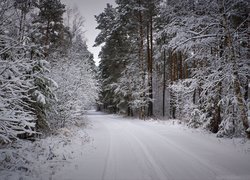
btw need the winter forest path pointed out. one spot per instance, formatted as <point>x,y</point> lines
<point>129,149</point>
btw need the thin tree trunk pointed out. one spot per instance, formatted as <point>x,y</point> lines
<point>141,59</point>
<point>186,71</point>
<point>164,81</point>
<point>217,110</point>
<point>171,68</point>
<point>150,64</point>
<point>181,66</point>
<point>175,67</point>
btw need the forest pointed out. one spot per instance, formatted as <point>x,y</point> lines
<point>171,92</point>
<point>47,74</point>
<point>186,60</point>
<point>177,59</point>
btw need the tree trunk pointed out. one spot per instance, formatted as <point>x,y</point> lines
<point>175,67</point>
<point>171,67</point>
<point>164,81</point>
<point>141,59</point>
<point>186,71</point>
<point>181,66</point>
<point>150,64</point>
<point>217,110</point>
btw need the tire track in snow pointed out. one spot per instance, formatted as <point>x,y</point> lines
<point>156,172</point>
<point>159,173</point>
<point>107,155</point>
<point>110,158</point>
<point>218,171</point>
<point>170,147</point>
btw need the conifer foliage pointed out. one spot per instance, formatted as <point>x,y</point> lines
<point>36,47</point>
<point>184,59</point>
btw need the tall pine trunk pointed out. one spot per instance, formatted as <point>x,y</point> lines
<point>164,81</point>
<point>141,59</point>
<point>150,64</point>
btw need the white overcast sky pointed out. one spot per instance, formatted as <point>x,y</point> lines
<point>88,9</point>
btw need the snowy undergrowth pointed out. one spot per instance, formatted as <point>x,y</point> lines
<point>241,144</point>
<point>42,158</point>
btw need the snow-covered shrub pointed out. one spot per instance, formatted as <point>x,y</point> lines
<point>132,90</point>
<point>77,86</point>
<point>187,109</point>
<point>44,95</point>
<point>26,94</point>
<point>42,158</point>
<point>16,114</point>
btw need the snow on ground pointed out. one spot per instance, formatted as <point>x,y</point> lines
<point>129,149</point>
<point>26,160</point>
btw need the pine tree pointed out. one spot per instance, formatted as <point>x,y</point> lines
<point>113,55</point>
<point>203,34</point>
<point>50,24</point>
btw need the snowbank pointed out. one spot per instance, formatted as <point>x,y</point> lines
<point>42,158</point>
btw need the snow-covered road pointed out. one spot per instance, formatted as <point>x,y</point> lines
<point>129,149</point>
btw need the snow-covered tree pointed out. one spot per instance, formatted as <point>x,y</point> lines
<point>211,36</point>
<point>50,33</point>
<point>17,116</point>
<point>75,74</point>
<point>31,55</point>
<point>198,50</point>
<point>127,32</point>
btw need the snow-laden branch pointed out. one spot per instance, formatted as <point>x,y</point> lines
<point>193,38</point>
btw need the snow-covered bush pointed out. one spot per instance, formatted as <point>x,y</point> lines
<point>24,87</point>
<point>187,109</point>
<point>44,95</point>
<point>77,86</point>
<point>132,91</point>
<point>16,114</point>
<point>25,94</point>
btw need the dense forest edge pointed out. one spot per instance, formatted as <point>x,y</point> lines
<point>47,74</point>
<point>178,59</point>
